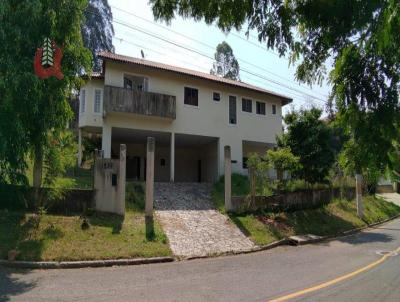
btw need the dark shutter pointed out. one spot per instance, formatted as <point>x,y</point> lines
<point>247,105</point>
<point>191,96</point>
<point>260,108</point>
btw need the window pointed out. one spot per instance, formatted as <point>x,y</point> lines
<point>128,83</point>
<point>97,101</point>
<point>247,105</point>
<point>136,83</point>
<point>83,100</point>
<point>191,96</point>
<point>273,109</point>
<point>232,110</point>
<point>162,162</point>
<point>216,96</point>
<point>260,108</point>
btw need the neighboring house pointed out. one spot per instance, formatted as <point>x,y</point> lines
<point>191,115</point>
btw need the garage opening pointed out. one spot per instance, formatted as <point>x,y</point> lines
<point>196,158</point>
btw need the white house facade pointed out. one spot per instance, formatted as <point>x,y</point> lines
<point>191,115</point>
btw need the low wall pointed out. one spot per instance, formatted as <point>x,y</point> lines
<point>299,200</point>
<point>14,197</point>
<point>384,189</point>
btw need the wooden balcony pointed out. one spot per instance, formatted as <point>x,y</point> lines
<point>117,99</point>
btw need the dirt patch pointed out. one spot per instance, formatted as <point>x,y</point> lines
<point>276,222</point>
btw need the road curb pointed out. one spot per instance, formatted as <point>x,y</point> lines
<point>139,261</point>
<point>344,233</point>
<point>269,246</point>
<point>83,264</point>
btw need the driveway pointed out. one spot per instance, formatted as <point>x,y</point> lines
<point>258,276</point>
<point>192,224</point>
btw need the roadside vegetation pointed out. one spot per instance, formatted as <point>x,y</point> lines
<point>340,215</point>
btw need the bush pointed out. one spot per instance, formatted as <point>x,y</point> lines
<point>135,196</point>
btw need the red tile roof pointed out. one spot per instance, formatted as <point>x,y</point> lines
<point>197,74</point>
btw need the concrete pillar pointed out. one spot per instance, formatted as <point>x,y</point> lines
<point>228,180</point>
<point>106,141</point>
<point>121,181</point>
<point>172,159</point>
<point>360,209</point>
<point>150,177</point>
<point>79,147</point>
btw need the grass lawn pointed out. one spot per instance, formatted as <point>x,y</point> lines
<point>52,237</point>
<point>339,215</point>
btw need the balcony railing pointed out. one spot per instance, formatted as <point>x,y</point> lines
<point>117,99</point>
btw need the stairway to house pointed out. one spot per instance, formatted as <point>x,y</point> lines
<point>192,224</point>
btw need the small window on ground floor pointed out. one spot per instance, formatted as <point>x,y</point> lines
<point>162,162</point>
<point>260,108</point>
<point>216,96</point>
<point>191,96</point>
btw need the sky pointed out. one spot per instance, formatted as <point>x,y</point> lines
<point>190,44</point>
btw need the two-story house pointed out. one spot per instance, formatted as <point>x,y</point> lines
<point>192,116</point>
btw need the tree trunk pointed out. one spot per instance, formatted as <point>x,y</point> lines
<point>360,210</point>
<point>252,187</point>
<point>37,173</point>
<point>279,176</point>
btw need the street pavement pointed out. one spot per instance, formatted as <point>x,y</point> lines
<point>258,276</point>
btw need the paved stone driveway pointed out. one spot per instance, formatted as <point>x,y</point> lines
<point>193,226</point>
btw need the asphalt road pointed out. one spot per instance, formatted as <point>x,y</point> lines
<point>259,276</point>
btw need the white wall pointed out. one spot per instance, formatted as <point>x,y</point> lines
<point>210,118</point>
<point>89,117</point>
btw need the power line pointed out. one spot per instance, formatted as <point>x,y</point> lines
<point>213,48</point>
<point>123,23</point>
<point>122,40</point>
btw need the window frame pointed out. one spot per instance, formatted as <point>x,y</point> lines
<point>184,96</point>
<point>236,111</point>
<point>100,101</point>
<point>265,106</point>
<point>146,81</point>
<point>274,109</point>
<point>251,104</point>
<point>220,96</point>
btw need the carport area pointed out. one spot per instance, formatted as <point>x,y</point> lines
<point>196,158</point>
<point>178,157</point>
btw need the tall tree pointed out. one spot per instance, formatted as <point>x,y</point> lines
<point>33,110</point>
<point>309,138</point>
<point>98,30</point>
<point>225,64</point>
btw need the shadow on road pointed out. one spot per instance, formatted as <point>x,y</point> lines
<point>364,238</point>
<point>11,286</point>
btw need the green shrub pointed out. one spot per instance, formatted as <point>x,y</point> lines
<point>135,196</point>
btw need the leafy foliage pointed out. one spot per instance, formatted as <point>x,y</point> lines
<point>282,159</point>
<point>98,30</point>
<point>360,38</point>
<point>59,155</point>
<point>308,138</point>
<point>225,64</point>
<point>31,108</point>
